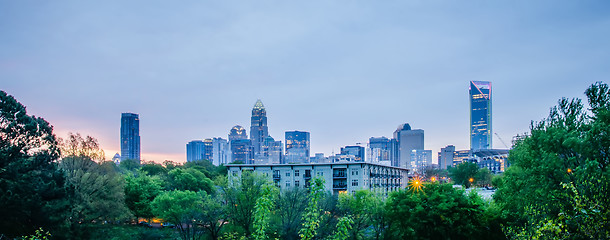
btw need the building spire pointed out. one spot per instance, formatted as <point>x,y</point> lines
<point>259,105</point>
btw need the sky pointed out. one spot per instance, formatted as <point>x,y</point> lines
<point>343,70</point>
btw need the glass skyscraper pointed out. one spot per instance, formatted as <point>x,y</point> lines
<point>241,147</point>
<point>130,136</point>
<point>480,115</point>
<point>405,141</point>
<point>379,150</point>
<point>258,129</point>
<point>297,147</point>
<point>195,150</point>
<point>356,151</point>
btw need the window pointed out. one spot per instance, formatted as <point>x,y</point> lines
<point>296,173</point>
<point>297,183</point>
<point>354,183</point>
<point>287,174</point>
<point>287,183</point>
<point>320,173</point>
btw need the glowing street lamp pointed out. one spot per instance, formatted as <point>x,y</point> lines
<point>471,180</point>
<point>433,179</point>
<point>416,184</point>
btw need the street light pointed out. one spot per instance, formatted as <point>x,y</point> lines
<point>471,180</point>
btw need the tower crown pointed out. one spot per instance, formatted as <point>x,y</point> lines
<point>258,105</point>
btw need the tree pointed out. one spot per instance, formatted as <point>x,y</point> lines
<point>32,190</point>
<point>568,148</point>
<point>439,212</point>
<point>182,208</point>
<point>189,179</point>
<point>464,173</point>
<point>214,215</point>
<point>291,204</point>
<point>140,191</point>
<point>361,207</point>
<point>241,198</point>
<point>262,212</point>
<point>97,193</point>
<point>311,218</point>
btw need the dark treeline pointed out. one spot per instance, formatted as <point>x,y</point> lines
<point>556,188</point>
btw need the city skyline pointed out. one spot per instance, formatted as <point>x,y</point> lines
<point>354,71</point>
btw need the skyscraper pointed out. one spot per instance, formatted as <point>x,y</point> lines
<point>445,156</point>
<point>258,128</point>
<point>241,147</point>
<point>480,115</point>
<point>379,150</point>
<point>195,150</point>
<point>130,136</point>
<point>356,151</point>
<point>406,140</point>
<point>297,147</point>
<point>220,151</point>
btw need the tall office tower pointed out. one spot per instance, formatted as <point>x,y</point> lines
<point>237,132</point>
<point>116,159</point>
<point>130,136</point>
<point>240,145</point>
<point>420,159</point>
<point>379,150</point>
<point>242,151</point>
<point>407,140</point>
<point>208,148</point>
<point>461,156</point>
<point>258,128</point>
<point>445,156</point>
<point>271,152</point>
<point>297,147</point>
<point>195,150</point>
<point>356,151</point>
<point>480,115</point>
<point>220,151</point>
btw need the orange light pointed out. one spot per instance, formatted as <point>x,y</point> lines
<point>415,184</point>
<point>569,170</point>
<point>433,179</point>
<point>471,180</point>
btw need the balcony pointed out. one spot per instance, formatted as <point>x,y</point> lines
<point>339,175</point>
<point>339,186</point>
<point>276,176</point>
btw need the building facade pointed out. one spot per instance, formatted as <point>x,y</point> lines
<point>130,136</point>
<point>420,159</point>
<point>356,151</point>
<point>445,156</point>
<point>258,129</point>
<point>379,150</point>
<point>406,140</point>
<point>220,151</point>
<point>195,150</point>
<point>297,147</point>
<point>480,115</point>
<point>338,177</point>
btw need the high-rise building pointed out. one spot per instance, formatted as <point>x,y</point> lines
<point>271,152</point>
<point>195,150</point>
<point>220,151</point>
<point>379,150</point>
<point>445,156</point>
<point>241,147</point>
<point>130,136</point>
<point>480,115</point>
<point>258,129</point>
<point>356,151</point>
<point>406,140</point>
<point>237,132</point>
<point>242,151</point>
<point>116,159</point>
<point>420,159</point>
<point>297,147</point>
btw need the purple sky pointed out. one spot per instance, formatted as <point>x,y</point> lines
<point>342,70</point>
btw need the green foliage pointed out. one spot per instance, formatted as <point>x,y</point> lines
<point>213,215</point>
<point>241,198</point>
<point>154,169</point>
<point>181,208</point>
<point>362,206</point>
<point>129,165</point>
<point>32,190</point>
<point>262,212</point>
<point>207,168</point>
<point>343,228</point>
<point>291,204</point>
<point>462,173</point>
<point>440,212</point>
<point>140,191</point>
<point>189,179</point>
<point>311,218</point>
<point>39,234</point>
<point>97,189</point>
<point>557,184</point>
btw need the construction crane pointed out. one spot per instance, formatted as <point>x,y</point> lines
<point>501,140</point>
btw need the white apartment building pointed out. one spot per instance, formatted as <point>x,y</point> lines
<point>344,177</point>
